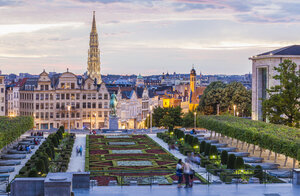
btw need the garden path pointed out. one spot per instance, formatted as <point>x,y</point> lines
<point>77,162</point>
<point>200,170</point>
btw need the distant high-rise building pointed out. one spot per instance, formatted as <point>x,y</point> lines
<point>94,54</point>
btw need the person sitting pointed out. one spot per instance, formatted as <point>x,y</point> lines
<point>196,159</point>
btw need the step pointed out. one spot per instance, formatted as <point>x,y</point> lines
<point>240,154</point>
<point>13,156</point>
<point>266,166</point>
<point>9,162</point>
<point>253,159</point>
<point>228,149</point>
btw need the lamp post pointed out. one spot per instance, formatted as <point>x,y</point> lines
<point>69,111</point>
<point>33,120</point>
<point>151,119</point>
<point>234,106</point>
<point>237,114</point>
<point>95,114</point>
<point>195,114</point>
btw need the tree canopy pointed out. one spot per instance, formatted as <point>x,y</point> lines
<point>218,94</point>
<point>283,104</point>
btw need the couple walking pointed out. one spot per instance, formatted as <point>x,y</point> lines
<point>79,150</point>
<point>184,169</point>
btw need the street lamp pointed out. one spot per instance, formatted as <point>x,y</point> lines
<point>69,111</point>
<point>234,106</point>
<point>195,114</point>
<point>95,114</point>
<point>151,118</point>
<point>237,114</point>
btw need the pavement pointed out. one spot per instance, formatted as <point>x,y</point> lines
<point>199,190</point>
<point>77,162</point>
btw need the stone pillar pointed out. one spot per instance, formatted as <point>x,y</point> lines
<point>58,184</point>
<point>113,123</point>
<point>296,177</point>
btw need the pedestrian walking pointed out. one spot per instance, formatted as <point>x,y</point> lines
<point>80,150</point>
<point>187,171</point>
<point>179,172</point>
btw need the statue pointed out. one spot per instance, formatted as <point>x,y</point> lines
<point>113,105</point>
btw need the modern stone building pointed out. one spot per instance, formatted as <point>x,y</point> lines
<point>54,101</point>
<point>263,72</point>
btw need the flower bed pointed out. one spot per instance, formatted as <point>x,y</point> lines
<point>142,160</point>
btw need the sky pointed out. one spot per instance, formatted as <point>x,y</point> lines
<point>144,36</point>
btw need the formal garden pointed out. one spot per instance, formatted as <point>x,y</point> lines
<point>227,166</point>
<point>52,156</point>
<point>129,159</point>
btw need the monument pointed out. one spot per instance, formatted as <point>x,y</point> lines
<point>113,119</point>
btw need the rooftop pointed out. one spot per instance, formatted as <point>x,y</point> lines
<point>288,50</point>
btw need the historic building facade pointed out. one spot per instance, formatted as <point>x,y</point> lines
<point>263,72</point>
<point>12,98</point>
<point>93,64</point>
<point>2,96</point>
<point>65,98</point>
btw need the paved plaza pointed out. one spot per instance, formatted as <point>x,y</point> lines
<point>200,190</point>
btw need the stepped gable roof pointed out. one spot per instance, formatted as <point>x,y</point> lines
<point>288,50</point>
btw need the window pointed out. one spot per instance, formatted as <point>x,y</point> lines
<point>89,114</point>
<point>89,96</point>
<point>42,105</point>
<point>46,96</point>
<point>51,106</point>
<point>105,96</point>
<point>83,105</point>
<point>77,115</point>
<point>94,105</point>
<point>37,96</point>
<point>51,96</point>
<point>57,115</point>
<point>57,105</point>
<point>46,106</point>
<point>67,85</point>
<point>89,104</point>
<point>72,96</point>
<point>105,104</point>
<point>100,96</point>
<point>105,113</point>
<point>62,115</point>
<point>2,90</point>
<point>62,85</point>
<point>42,87</point>
<point>84,114</point>
<point>100,105</point>
<point>77,105</point>
<point>62,96</point>
<point>77,96</point>
<point>42,96</point>
<point>62,105</point>
<point>37,106</point>
<point>99,114</point>
<point>42,115</point>
<point>72,115</point>
<point>51,114</point>
<point>84,96</point>
<point>57,96</point>
<point>37,115</point>
<point>89,86</point>
<point>93,96</point>
<point>46,87</point>
<point>72,85</point>
<point>1,81</point>
<point>67,96</point>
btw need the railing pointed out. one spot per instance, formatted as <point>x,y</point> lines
<point>211,176</point>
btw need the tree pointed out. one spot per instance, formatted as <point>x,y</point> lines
<point>202,146</point>
<point>283,104</point>
<point>158,114</point>
<point>239,163</point>
<point>188,120</point>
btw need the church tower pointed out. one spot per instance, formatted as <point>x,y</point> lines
<point>94,54</point>
<point>193,80</point>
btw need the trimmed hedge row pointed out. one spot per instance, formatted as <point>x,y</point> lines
<point>12,127</point>
<point>47,154</point>
<point>277,138</point>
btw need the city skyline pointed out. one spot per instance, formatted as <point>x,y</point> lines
<point>147,37</point>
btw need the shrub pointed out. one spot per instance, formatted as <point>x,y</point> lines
<point>195,141</point>
<point>40,166</point>
<point>258,173</point>
<point>207,149</point>
<point>239,163</point>
<point>33,173</point>
<point>202,146</point>
<point>231,161</point>
<point>213,150</point>
<point>224,157</point>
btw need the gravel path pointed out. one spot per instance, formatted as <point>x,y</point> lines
<point>77,163</point>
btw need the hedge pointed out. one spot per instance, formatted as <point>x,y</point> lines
<point>12,127</point>
<point>277,138</point>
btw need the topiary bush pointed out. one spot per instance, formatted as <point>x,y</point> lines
<point>207,149</point>
<point>224,157</point>
<point>33,173</point>
<point>202,146</point>
<point>258,173</point>
<point>213,150</point>
<point>231,161</point>
<point>239,163</point>
<point>40,166</point>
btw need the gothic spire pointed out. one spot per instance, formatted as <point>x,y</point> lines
<point>94,28</point>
